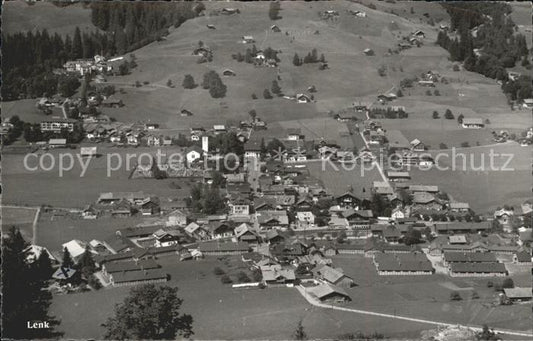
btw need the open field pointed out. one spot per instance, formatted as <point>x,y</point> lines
<point>341,180</point>
<point>19,16</point>
<point>428,297</point>
<point>226,313</point>
<point>20,217</point>
<point>73,190</point>
<point>26,110</point>
<point>483,189</point>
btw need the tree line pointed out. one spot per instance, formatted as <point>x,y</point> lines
<point>30,58</point>
<point>498,45</point>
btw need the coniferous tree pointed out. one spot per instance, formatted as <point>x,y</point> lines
<point>77,48</point>
<point>67,259</point>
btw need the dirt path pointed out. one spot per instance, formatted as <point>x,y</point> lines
<point>316,303</point>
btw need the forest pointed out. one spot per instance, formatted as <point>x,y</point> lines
<point>488,43</point>
<point>29,59</point>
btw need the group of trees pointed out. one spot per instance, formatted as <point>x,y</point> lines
<point>311,57</point>
<point>212,81</point>
<point>188,82</point>
<point>501,46</point>
<point>273,10</point>
<point>24,297</point>
<point>206,199</point>
<point>29,58</point>
<point>251,53</point>
<point>387,113</point>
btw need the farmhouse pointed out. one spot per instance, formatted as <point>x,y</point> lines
<point>461,227</point>
<point>244,233</point>
<point>144,264</point>
<point>469,257</point>
<point>397,140</point>
<point>75,247</point>
<point>423,188</point>
<point>167,237</point>
<point>230,10</point>
<point>333,276</point>
<point>88,151</point>
<point>248,39</point>
<point>112,102</point>
<point>368,52</point>
<point>472,123</point>
<point>459,207</point>
<point>423,200</point>
<point>57,143</point>
<point>417,145</point>
<point>219,230</point>
<point>348,199</point>
<point>33,252</point>
<point>275,28</point>
<point>326,292</point>
<point>522,257</point>
<point>220,248</point>
<point>252,149</point>
<point>228,72</point>
<point>276,274</point>
<point>527,103</point>
<point>303,98</point>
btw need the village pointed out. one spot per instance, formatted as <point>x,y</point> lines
<point>293,191</point>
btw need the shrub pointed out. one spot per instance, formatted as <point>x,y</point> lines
<point>254,96</point>
<point>456,67</point>
<point>243,277</point>
<point>94,282</point>
<point>137,84</point>
<point>443,146</point>
<point>465,144</point>
<point>218,271</point>
<point>266,94</point>
<point>146,82</point>
<point>436,115</point>
<point>382,70</point>
<point>399,93</point>
<point>448,115</point>
<point>226,279</point>
<point>428,93</point>
<point>455,296</point>
<point>188,82</point>
<point>436,93</point>
<point>475,295</point>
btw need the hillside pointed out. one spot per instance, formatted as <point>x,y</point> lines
<point>18,16</point>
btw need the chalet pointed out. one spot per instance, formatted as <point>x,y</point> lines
<point>276,274</point>
<point>151,126</point>
<point>211,26</point>
<point>348,199</point>
<point>75,247</point>
<point>220,230</point>
<point>303,98</point>
<point>33,252</point>
<point>122,208</point>
<point>274,237</point>
<point>457,239</point>
<point>88,152</point>
<point>185,113</point>
<point>90,212</point>
<point>167,237</point>
<point>397,141</point>
<point>270,219</point>
<point>478,270</point>
<point>384,98</point>
<point>112,102</point>
<point>474,247</point>
<point>196,231</point>
<point>417,145</point>
<point>57,143</point>
<point>368,52</point>
<point>518,294</point>
<point>138,277</point>
<point>333,276</point>
<point>275,28</point>
<point>239,206</point>
<point>294,134</point>
<point>244,233</point>
<point>527,103</point>
<point>177,217</point>
<point>472,123</point>
<point>149,206</point>
<point>357,216</point>
<point>273,202</point>
<point>326,292</point>
<point>57,125</point>
<point>218,248</point>
<point>252,149</point>
<point>427,201</point>
<point>248,39</point>
<point>419,34</point>
<point>304,219</point>
<point>287,250</point>
<point>228,72</point>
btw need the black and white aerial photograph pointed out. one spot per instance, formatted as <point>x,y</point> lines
<point>266,170</point>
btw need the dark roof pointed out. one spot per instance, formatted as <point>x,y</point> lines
<point>137,276</point>
<point>462,226</point>
<point>228,247</point>
<point>473,257</point>
<point>523,256</point>
<point>118,243</point>
<point>403,262</point>
<point>144,231</point>
<point>478,267</point>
